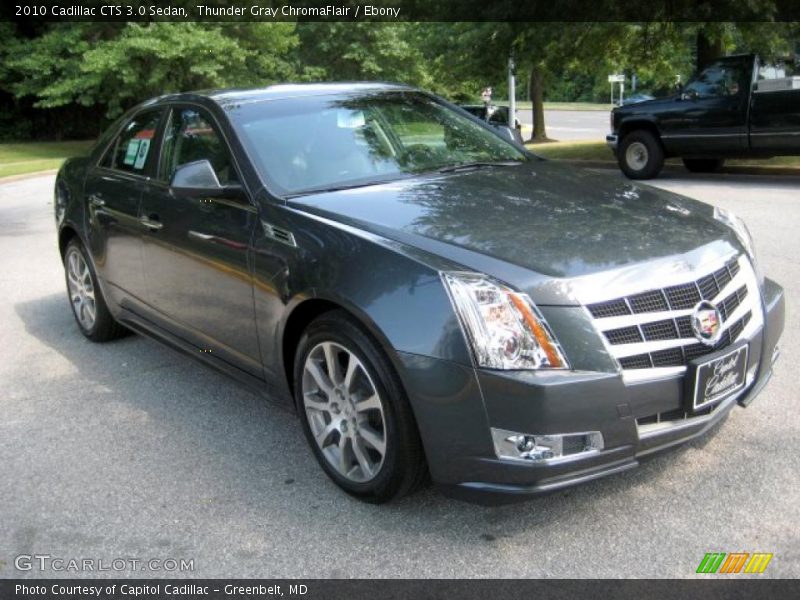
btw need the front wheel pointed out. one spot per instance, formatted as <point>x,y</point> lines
<point>86,298</point>
<point>703,165</point>
<point>640,155</point>
<point>354,411</point>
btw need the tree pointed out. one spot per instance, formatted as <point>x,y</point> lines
<point>542,51</point>
<point>361,51</point>
<point>114,66</point>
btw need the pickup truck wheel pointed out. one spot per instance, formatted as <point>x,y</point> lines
<point>640,155</point>
<point>703,165</point>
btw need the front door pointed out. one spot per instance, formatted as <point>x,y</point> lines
<point>196,249</point>
<point>114,189</point>
<point>712,114</point>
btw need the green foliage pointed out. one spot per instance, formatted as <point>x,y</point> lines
<point>62,78</point>
<point>88,65</point>
<point>361,51</point>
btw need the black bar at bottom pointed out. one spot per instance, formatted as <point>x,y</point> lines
<point>714,586</point>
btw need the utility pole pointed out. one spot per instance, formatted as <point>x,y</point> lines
<point>512,92</point>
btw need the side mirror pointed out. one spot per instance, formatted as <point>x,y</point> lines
<point>511,134</point>
<point>199,179</point>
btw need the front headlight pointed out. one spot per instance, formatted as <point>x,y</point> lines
<point>503,326</point>
<point>742,234</point>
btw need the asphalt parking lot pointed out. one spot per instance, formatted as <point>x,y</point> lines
<point>128,450</point>
<point>571,125</point>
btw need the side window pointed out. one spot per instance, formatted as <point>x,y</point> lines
<point>189,137</point>
<point>134,146</point>
<point>719,80</point>
<point>779,70</point>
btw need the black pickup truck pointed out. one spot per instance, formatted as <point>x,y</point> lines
<point>736,107</point>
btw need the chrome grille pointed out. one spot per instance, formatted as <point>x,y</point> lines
<point>681,355</point>
<point>653,301</point>
<point>660,330</point>
<point>612,308</point>
<point>624,335</point>
<point>652,329</point>
<point>683,296</point>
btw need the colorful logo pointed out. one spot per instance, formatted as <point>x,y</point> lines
<point>735,562</point>
<point>706,323</point>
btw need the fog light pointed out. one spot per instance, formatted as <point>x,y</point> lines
<point>545,448</point>
<point>524,443</point>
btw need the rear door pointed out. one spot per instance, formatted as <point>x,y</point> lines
<point>114,189</point>
<point>713,112</point>
<point>197,249</point>
<point>775,109</point>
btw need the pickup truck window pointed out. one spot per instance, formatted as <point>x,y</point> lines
<point>719,80</point>
<point>778,70</point>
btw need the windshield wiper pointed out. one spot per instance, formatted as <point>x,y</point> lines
<point>465,166</point>
<point>344,186</point>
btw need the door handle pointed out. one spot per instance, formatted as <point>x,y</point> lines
<point>201,236</point>
<point>97,200</point>
<point>150,223</point>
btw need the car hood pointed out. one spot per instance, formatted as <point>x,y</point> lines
<point>646,105</point>
<point>552,219</point>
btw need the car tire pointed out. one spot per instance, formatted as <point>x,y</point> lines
<point>703,165</point>
<point>640,155</point>
<point>362,431</point>
<point>86,298</point>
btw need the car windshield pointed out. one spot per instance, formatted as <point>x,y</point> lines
<point>326,142</point>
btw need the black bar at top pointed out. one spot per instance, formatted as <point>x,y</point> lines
<point>402,10</point>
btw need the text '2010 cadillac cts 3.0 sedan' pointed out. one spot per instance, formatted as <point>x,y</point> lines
<point>430,297</point>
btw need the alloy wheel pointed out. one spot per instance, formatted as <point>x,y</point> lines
<point>81,289</point>
<point>345,411</point>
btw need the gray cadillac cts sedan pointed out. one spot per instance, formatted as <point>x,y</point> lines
<point>432,299</point>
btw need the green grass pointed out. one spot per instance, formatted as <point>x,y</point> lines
<point>599,152</point>
<point>17,159</point>
<point>574,151</point>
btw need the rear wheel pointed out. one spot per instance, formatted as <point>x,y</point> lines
<point>640,155</point>
<point>703,165</point>
<point>354,411</point>
<point>86,298</point>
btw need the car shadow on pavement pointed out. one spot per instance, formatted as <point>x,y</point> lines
<point>186,439</point>
<point>776,180</point>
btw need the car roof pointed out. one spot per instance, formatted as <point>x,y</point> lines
<point>279,91</point>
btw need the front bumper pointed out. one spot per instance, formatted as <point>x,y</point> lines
<point>612,141</point>
<point>461,454</point>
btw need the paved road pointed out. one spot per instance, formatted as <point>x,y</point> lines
<point>567,125</point>
<point>128,450</point>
